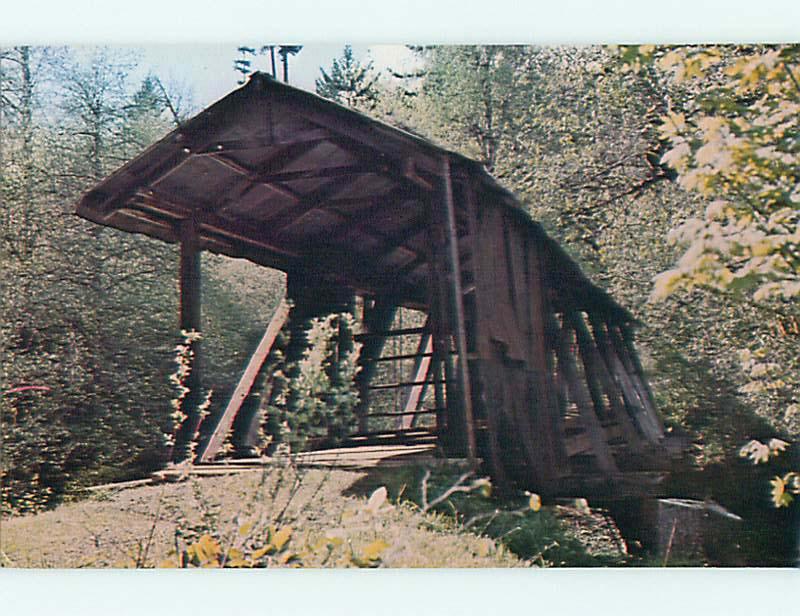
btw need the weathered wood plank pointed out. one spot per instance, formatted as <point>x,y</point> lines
<point>590,370</point>
<point>616,368</point>
<point>580,396</point>
<point>484,393</point>
<point>401,384</point>
<point>246,382</point>
<point>405,331</point>
<point>598,376</point>
<point>548,419</point>
<point>623,341</point>
<point>633,397</point>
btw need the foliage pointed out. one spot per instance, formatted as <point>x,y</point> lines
<point>244,64</point>
<point>207,552</point>
<point>784,487</point>
<point>86,311</point>
<point>731,132</point>
<point>253,546</point>
<point>577,137</point>
<point>317,396</point>
<point>735,143</point>
<point>349,82</point>
<point>185,354</point>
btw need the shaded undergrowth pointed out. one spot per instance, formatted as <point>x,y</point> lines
<point>561,535</point>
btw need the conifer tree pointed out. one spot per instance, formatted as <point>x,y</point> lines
<point>349,82</point>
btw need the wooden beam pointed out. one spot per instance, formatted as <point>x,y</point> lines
<point>365,207</point>
<point>274,225</point>
<point>626,341</point>
<point>259,236</point>
<point>438,392</point>
<point>190,283</point>
<point>651,431</point>
<point>440,325</point>
<point>282,156</point>
<point>249,144</point>
<point>246,381</point>
<point>457,299</point>
<point>588,357</point>
<point>361,134</point>
<point>636,378</point>
<point>190,321</point>
<point>405,331</point>
<point>205,219</point>
<point>400,385</point>
<point>597,371</point>
<point>580,396</point>
<point>358,270</point>
<point>348,171</point>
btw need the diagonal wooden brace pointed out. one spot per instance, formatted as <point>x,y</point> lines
<point>246,382</point>
<point>413,396</point>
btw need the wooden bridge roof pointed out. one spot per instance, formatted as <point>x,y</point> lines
<point>290,180</point>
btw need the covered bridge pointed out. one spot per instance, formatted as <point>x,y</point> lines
<point>533,366</point>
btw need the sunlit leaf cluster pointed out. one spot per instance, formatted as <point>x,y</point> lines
<point>737,143</point>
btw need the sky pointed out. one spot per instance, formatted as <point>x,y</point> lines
<point>207,69</point>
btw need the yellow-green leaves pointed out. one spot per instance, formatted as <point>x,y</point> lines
<point>205,552</point>
<point>736,151</point>
<point>208,552</point>
<point>373,551</point>
<point>279,538</point>
<point>482,486</point>
<point>784,489</point>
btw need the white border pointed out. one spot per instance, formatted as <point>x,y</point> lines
<point>405,592</point>
<point>409,21</point>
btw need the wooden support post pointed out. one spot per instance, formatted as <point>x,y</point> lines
<point>190,279</point>
<point>245,384</point>
<point>413,396</point>
<point>457,313</point>
<point>438,392</point>
<point>190,321</point>
<point>439,321</point>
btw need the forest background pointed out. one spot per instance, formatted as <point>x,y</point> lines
<point>613,150</point>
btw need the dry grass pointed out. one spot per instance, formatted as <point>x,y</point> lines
<point>137,526</point>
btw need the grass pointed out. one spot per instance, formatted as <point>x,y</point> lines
<point>333,524</point>
<point>139,526</point>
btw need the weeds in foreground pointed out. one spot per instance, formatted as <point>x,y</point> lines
<point>518,524</point>
<point>286,519</point>
<point>278,525</point>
